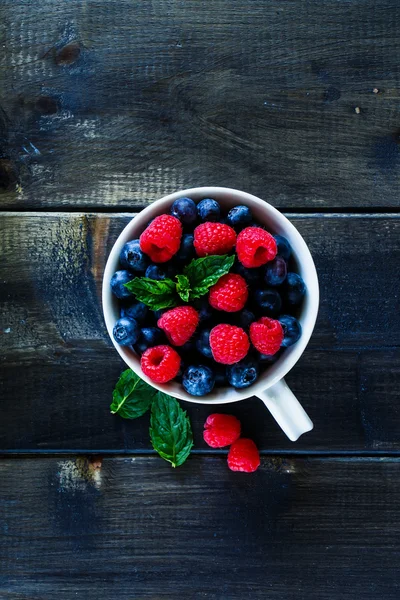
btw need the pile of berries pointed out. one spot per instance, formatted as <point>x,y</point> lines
<point>239,327</point>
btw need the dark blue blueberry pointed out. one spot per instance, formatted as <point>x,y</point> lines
<point>204,309</point>
<point>251,276</point>
<point>245,319</point>
<point>268,301</point>
<point>126,331</point>
<point>203,343</point>
<point>149,337</point>
<point>159,273</point>
<point>209,210</point>
<point>294,289</point>
<point>284,248</point>
<point>158,313</point>
<point>117,284</point>
<point>198,380</point>
<point>133,258</point>
<point>136,310</point>
<point>239,217</point>
<point>220,377</point>
<point>187,348</point>
<point>242,374</point>
<point>185,210</point>
<point>275,271</point>
<point>269,359</point>
<point>186,250</point>
<point>291,330</point>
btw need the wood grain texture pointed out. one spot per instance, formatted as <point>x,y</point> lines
<point>115,103</point>
<point>58,367</point>
<point>296,529</point>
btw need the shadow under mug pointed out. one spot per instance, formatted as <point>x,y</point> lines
<point>270,387</point>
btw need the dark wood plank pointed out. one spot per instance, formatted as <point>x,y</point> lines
<point>135,528</point>
<point>117,103</point>
<point>58,367</point>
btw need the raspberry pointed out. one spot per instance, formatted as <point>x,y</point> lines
<point>221,430</point>
<point>255,247</point>
<point>266,335</point>
<point>243,456</point>
<point>179,324</point>
<point>229,344</point>
<point>229,293</point>
<point>214,238</point>
<point>162,238</point>
<point>160,363</point>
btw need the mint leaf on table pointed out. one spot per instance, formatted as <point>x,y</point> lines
<point>132,396</point>
<point>170,430</point>
<point>183,287</point>
<point>203,273</point>
<point>154,294</point>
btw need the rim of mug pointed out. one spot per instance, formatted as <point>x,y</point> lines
<point>308,317</point>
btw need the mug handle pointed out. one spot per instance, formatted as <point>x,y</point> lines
<point>286,410</point>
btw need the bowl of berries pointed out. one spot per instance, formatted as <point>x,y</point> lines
<point>211,295</point>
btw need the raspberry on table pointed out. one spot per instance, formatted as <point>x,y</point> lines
<point>255,247</point>
<point>162,238</point>
<point>160,363</point>
<point>243,456</point>
<point>229,344</point>
<point>221,430</point>
<point>213,238</point>
<point>179,324</point>
<point>266,335</point>
<point>230,293</point>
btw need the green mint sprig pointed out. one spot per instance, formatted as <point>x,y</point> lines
<point>196,280</point>
<point>170,429</point>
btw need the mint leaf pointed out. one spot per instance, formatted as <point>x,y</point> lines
<point>132,396</point>
<point>154,294</point>
<point>170,430</point>
<point>183,287</point>
<point>205,272</point>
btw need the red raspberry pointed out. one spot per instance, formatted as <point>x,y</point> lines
<point>243,456</point>
<point>229,293</point>
<point>162,238</point>
<point>179,324</point>
<point>214,238</point>
<point>255,247</point>
<point>229,344</point>
<point>221,430</point>
<point>160,363</point>
<point>266,335</point>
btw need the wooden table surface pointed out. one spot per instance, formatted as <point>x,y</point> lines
<point>105,106</point>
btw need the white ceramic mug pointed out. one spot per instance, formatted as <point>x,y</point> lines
<point>270,387</point>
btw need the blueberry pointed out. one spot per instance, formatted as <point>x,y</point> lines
<point>268,301</point>
<point>251,276</point>
<point>203,343</point>
<point>149,337</point>
<point>220,377</point>
<point>284,248</point>
<point>208,210</point>
<point>294,289</point>
<point>245,319</point>
<point>158,313</point>
<point>186,250</point>
<point>269,359</point>
<point>198,380</point>
<point>242,374</point>
<point>185,210</point>
<point>117,284</point>
<point>126,331</point>
<point>239,216</point>
<point>291,330</point>
<point>204,309</point>
<point>187,348</point>
<point>133,258</point>
<point>158,273</point>
<point>275,271</point>
<point>136,310</point>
